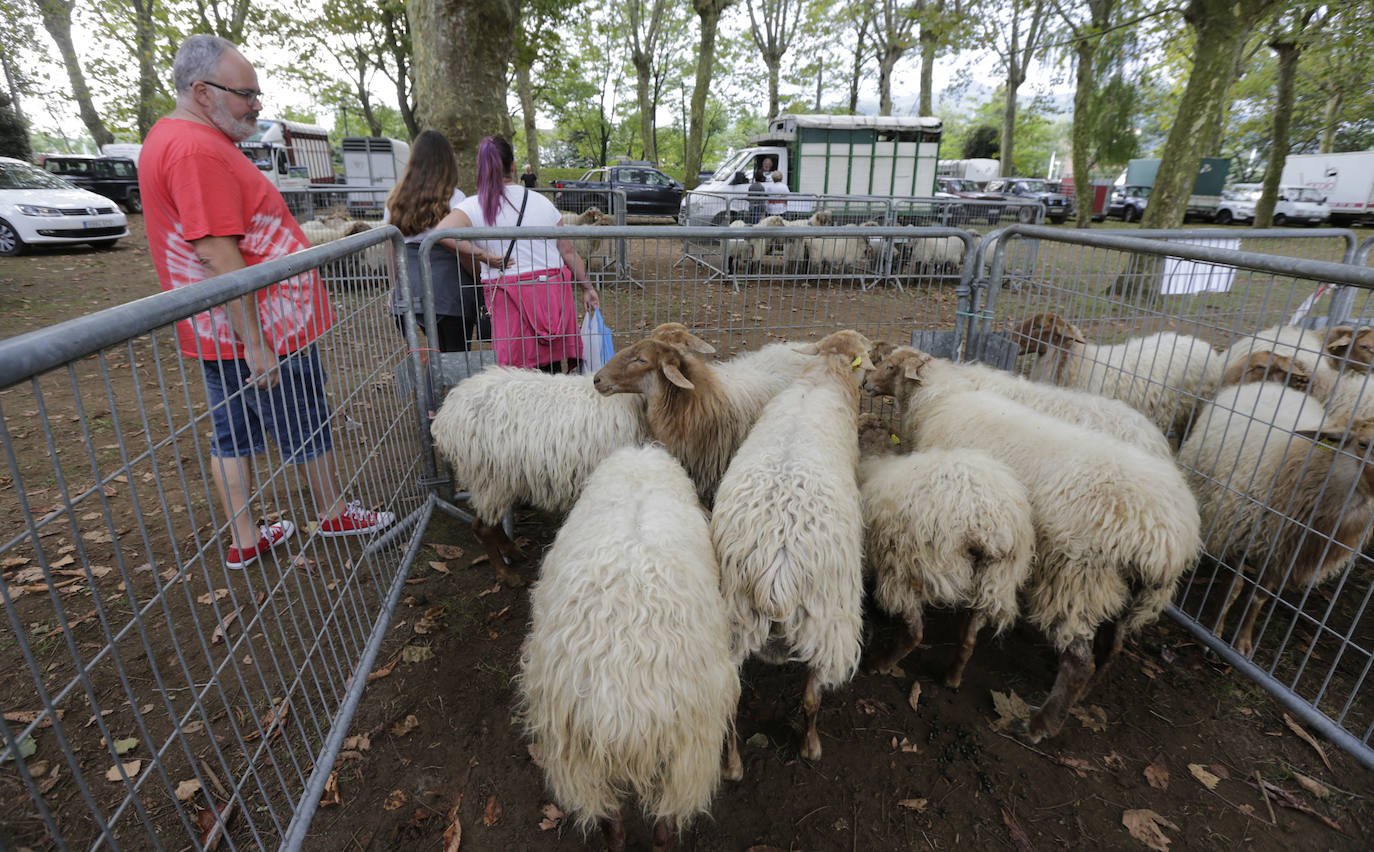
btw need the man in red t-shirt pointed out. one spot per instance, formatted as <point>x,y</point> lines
<point>208,211</point>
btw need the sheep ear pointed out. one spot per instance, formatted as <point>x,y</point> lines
<point>696,344</point>
<point>916,364</point>
<point>1338,342</point>
<point>809,349</point>
<point>675,376</point>
<point>1065,329</point>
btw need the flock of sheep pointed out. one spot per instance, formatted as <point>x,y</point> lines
<point>1060,499</point>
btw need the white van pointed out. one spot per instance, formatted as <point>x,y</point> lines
<point>375,162</point>
<point>1297,205</point>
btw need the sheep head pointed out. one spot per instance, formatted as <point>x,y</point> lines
<point>1263,366</point>
<point>901,365</point>
<point>1353,440</point>
<point>876,436</point>
<point>1355,348</point>
<point>772,222</point>
<point>594,216</point>
<point>677,334</point>
<point>846,343</point>
<point>1042,331</point>
<point>822,218</point>
<point>880,350</point>
<point>637,368</point>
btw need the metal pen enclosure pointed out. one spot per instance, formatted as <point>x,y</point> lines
<point>122,623</point>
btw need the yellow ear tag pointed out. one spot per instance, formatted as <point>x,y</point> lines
<point>857,362</point>
<point>896,439</point>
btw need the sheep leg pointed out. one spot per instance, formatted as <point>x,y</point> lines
<point>1245,642</point>
<point>973,622</point>
<point>887,664</point>
<point>1075,670</point>
<point>497,543</point>
<point>613,832</point>
<point>811,705</point>
<point>664,830</point>
<point>1106,645</point>
<point>734,767</point>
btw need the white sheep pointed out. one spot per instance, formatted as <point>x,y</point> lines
<point>741,254</point>
<point>1284,490</point>
<point>932,254</point>
<point>1100,413</point>
<point>522,436</point>
<point>1317,351</point>
<point>627,684</point>
<point>839,255</point>
<point>1115,527</point>
<point>788,529</point>
<point>942,528</point>
<point>1162,375</point>
<point>701,412</point>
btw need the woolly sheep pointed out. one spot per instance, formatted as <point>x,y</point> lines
<point>838,255</point>
<point>1267,465</point>
<point>701,412</point>
<point>1095,412</point>
<point>948,528</point>
<point>1162,375</point>
<point>741,252</point>
<point>926,254</point>
<point>1115,527</point>
<point>523,436</point>
<point>627,684</point>
<point>587,248</point>
<point>788,530</point>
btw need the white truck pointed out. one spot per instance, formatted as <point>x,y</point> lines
<point>1346,181</point>
<point>373,164</point>
<point>980,170</point>
<point>289,154</point>
<point>847,155</point>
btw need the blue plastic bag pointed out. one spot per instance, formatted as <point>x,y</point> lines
<point>597,346</point>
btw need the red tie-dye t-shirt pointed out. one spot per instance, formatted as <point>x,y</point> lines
<point>196,183</point>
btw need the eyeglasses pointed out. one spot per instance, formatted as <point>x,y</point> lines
<point>247,94</point>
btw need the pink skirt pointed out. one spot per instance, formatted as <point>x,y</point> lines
<point>533,318</point>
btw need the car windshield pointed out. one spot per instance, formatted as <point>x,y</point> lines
<point>24,176</point>
<point>960,185</point>
<point>729,167</point>
<point>1035,185</point>
<point>1138,191</point>
<point>1242,194</point>
<point>1302,193</point>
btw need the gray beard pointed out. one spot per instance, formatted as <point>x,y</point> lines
<point>237,130</point>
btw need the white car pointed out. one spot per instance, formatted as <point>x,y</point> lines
<point>1295,205</point>
<point>37,208</point>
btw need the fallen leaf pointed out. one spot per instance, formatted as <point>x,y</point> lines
<point>914,697</point>
<point>1019,840</point>
<point>440,567</point>
<point>453,834</point>
<point>271,722</point>
<point>28,717</point>
<point>492,814</point>
<point>430,619</point>
<point>905,745</point>
<point>447,551</point>
<point>358,742</point>
<point>1010,709</point>
<point>394,800</point>
<point>481,560</point>
<point>1220,771</point>
<point>493,590</point>
<point>216,595</point>
<point>1114,762</point>
<point>130,769</point>
<point>1200,772</point>
<point>759,740</point>
<point>27,746</point>
<point>918,805</point>
<point>330,796</point>
<point>1147,826</point>
<point>222,629</point>
<point>1311,785</point>
<point>416,653</point>
<point>123,747</point>
<point>212,830</point>
<point>1080,766</point>
<point>553,817</point>
<point>1158,774</point>
<point>405,726</point>
<point>192,727</point>
<point>187,789</point>
<point>1307,738</point>
<point>1094,718</point>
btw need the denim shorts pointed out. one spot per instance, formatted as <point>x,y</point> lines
<point>294,411</point>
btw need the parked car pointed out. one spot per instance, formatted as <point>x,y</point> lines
<point>1031,191</point>
<point>648,191</point>
<point>1295,205</point>
<point>37,208</point>
<point>968,188</point>
<point>116,178</point>
<point>1128,202</point>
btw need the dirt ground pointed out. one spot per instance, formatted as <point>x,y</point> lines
<point>1172,746</point>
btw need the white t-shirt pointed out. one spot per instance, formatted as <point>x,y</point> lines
<point>776,187</point>
<point>458,196</point>
<point>529,255</point>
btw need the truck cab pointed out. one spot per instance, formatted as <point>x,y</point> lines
<point>1295,205</point>
<point>724,196</point>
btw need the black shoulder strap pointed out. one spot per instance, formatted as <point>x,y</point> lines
<point>524,199</point>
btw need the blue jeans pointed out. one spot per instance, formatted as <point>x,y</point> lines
<point>294,411</point>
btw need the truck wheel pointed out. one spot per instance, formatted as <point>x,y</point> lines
<point>1128,214</point>
<point>133,202</point>
<point>10,243</point>
<point>1224,217</point>
<point>1059,220</point>
<point>1025,215</point>
<point>1280,220</point>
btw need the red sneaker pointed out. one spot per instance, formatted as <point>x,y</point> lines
<point>355,520</point>
<point>272,535</point>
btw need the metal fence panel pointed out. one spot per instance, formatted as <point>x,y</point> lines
<point>147,686</point>
<point>1274,502</point>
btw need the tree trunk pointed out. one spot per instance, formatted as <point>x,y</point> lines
<point>709,13</point>
<point>773,62</point>
<point>461,50</point>
<point>526,93</point>
<point>1217,110</point>
<point>820,80</point>
<point>886,63</point>
<point>1330,118</point>
<point>1219,25</point>
<point>1083,96</point>
<point>929,43</point>
<point>397,44</point>
<point>12,82</point>
<point>1014,79</point>
<point>57,20</point>
<point>147,65</point>
<point>643,70</point>
<point>1283,116</point>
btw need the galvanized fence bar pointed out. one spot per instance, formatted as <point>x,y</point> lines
<point>1150,322</point>
<point>147,686</point>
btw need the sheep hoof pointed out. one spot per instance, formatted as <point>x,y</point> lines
<point>889,669</point>
<point>1032,729</point>
<point>733,773</point>
<point>953,682</point>
<point>811,747</point>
